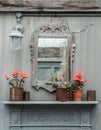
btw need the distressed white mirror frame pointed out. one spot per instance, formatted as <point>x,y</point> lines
<point>50,31</point>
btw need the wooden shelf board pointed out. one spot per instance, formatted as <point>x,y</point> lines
<point>50,102</point>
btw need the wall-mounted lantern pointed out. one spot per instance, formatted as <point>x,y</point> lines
<point>17,33</point>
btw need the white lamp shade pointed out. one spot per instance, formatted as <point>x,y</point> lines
<point>15,37</point>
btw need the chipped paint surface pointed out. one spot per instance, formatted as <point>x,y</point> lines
<point>50,5</point>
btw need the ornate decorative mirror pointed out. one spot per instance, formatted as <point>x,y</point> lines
<point>51,55</point>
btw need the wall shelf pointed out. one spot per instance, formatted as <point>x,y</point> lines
<point>50,102</point>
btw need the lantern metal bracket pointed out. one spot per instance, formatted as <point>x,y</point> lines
<point>19,26</point>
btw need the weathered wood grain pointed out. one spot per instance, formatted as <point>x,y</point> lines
<point>50,5</point>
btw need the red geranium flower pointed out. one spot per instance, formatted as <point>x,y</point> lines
<point>76,78</point>
<point>79,74</point>
<point>17,79</point>
<point>78,81</point>
<point>60,83</point>
<point>6,76</point>
<point>60,78</point>
<point>24,75</point>
<point>15,72</point>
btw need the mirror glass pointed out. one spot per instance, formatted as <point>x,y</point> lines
<point>52,59</point>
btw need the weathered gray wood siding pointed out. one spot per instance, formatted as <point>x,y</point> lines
<point>50,5</point>
<point>87,58</point>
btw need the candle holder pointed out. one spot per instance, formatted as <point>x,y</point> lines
<point>26,95</point>
<point>91,95</point>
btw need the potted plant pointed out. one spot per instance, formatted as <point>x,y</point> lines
<point>77,86</point>
<point>16,82</point>
<point>62,89</point>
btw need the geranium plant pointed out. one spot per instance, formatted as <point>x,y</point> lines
<point>78,81</point>
<point>17,78</point>
<point>60,83</point>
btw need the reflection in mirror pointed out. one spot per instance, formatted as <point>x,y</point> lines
<point>52,59</point>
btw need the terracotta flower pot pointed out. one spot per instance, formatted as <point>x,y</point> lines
<point>62,94</point>
<point>77,95</point>
<point>16,94</point>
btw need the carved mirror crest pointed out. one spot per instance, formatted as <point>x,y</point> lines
<point>52,53</point>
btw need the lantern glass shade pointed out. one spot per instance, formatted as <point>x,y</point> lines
<point>15,39</point>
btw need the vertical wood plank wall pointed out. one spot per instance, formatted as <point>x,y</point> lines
<point>87,57</point>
